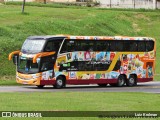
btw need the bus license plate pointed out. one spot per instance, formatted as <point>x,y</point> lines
<point>25,82</point>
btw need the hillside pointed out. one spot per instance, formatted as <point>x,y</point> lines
<point>15,27</point>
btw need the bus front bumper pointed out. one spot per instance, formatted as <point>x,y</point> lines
<point>30,81</point>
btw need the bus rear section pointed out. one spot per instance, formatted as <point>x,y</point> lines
<point>117,61</point>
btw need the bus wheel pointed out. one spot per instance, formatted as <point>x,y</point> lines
<point>40,86</point>
<point>131,81</point>
<point>59,83</point>
<point>121,81</point>
<point>102,85</point>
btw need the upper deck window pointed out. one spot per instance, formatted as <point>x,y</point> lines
<point>52,45</point>
<point>108,45</point>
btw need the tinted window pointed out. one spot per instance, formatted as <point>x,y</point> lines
<point>108,45</point>
<point>149,45</point>
<point>70,45</point>
<point>116,45</point>
<point>141,46</point>
<point>85,45</point>
<point>48,47</point>
<point>102,45</point>
<point>52,45</point>
<point>46,63</point>
<point>130,45</point>
<point>88,66</point>
<point>138,46</point>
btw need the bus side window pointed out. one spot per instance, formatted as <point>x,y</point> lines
<point>84,46</point>
<point>47,63</point>
<point>64,47</point>
<point>91,45</point>
<point>74,66</point>
<point>149,45</point>
<point>77,45</point>
<point>119,45</point>
<point>68,46</point>
<point>112,45</point>
<point>130,45</point>
<point>89,66</point>
<point>141,46</point>
<point>98,46</point>
<point>106,45</point>
<point>52,46</point>
<point>102,45</point>
<point>48,47</point>
<point>56,45</point>
<point>116,45</point>
<point>81,66</point>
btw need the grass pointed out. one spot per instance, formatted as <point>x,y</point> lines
<point>15,27</point>
<point>56,5</point>
<point>8,80</point>
<point>79,101</point>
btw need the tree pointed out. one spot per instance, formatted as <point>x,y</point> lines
<point>23,5</point>
<point>45,2</point>
<point>157,3</point>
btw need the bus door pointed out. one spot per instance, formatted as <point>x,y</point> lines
<point>47,63</point>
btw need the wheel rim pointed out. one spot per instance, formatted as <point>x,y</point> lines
<point>121,81</point>
<point>59,82</point>
<point>131,81</point>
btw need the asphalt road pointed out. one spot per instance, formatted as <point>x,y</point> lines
<point>150,87</point>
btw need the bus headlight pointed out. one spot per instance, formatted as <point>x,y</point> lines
<point>35,76</point>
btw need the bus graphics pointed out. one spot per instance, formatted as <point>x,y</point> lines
<point>102,60</point>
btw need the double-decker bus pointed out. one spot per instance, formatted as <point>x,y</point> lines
<point>60,60</point>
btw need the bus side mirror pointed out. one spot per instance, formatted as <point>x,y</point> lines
<point>14,55</point>
<point>15,59</point>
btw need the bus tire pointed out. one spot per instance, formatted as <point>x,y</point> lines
<point>102,85</point>
<point>132,81</point>
<point>121,81</point>
<point>60,83</point>
<point>40,86</point>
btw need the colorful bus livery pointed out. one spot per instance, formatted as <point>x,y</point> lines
<point>61,60</point>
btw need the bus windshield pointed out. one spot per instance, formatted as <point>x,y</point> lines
<point>32,46</point>
<point>27,66</point>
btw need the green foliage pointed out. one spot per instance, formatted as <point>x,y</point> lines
<point>58,5</point>
<point>55,5</point>
<point>15,27</point>
<point>79,101</point>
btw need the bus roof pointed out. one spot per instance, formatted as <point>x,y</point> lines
<point>45,37</point>
<point>89,37</point>
<point>109,38</point>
